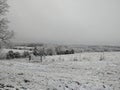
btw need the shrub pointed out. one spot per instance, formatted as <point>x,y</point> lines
<point>10,55</point>
<point>67,52</point>
<point>72,51</point>
<point>35,51</point>
<point>17,55</point>
<point>25,54</point>
<point>49,52</point>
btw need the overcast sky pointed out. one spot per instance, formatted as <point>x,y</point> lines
<point>66,21</point>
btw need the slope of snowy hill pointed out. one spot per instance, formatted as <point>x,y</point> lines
<point>86,71</point>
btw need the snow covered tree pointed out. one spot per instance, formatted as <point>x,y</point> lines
<point>5,34</point>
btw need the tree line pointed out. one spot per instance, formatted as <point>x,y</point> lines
<point>41,51</point>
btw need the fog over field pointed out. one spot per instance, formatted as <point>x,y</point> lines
<point>95,22</point>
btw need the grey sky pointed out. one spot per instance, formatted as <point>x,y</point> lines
<point>66,21</point>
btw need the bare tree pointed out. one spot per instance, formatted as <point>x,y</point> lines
<point>5,34</point>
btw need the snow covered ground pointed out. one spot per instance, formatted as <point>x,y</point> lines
<point>86,71</point>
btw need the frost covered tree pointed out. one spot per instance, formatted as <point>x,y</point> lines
<point>5,34</point>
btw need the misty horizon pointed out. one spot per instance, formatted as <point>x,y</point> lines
<point>87,22</point>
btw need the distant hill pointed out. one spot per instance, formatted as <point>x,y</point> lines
<point>77,48</point>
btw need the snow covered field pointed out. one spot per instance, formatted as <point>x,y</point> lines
<point>84,71</point>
